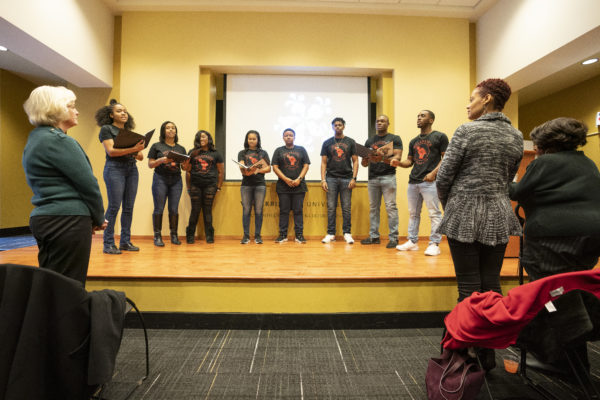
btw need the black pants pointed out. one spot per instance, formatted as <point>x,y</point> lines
<point>547,256</point>
<point>477,266</point>
<point>202,198</point>
<point>295,203</point>
<point>64,243</point>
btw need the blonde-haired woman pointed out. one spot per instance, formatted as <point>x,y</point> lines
<point>66,196</point>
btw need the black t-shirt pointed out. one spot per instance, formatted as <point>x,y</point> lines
<point>250,157</point>
<point>290,162</point>
<point>204,170</point>
<point>426,152</point>
<point>375,142</point>
<point>159,150</point>
<point>339,154</point>
<point>111,132</point>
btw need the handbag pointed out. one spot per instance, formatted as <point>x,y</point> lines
<point>453,376</point>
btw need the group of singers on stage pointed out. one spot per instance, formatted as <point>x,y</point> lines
<point>471,177</point>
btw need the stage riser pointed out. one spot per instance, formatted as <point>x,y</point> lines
<point>288,297</point>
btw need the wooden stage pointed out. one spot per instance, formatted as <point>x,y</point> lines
<point>275,277</point>
<point>227,259</point>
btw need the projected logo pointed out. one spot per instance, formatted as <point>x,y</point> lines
<point>309,117</point>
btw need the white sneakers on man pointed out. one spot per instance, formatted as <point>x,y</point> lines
<point>432,250</point>
<point>348,238</point>
<point>328,239</point>
<point>408,246</point>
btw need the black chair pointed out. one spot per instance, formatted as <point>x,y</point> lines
<point>57,341</point>
<point>98,395</point>
<point>559,335</point>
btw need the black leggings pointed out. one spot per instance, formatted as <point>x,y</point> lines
<point>477,267</point>
<point>202,198</point>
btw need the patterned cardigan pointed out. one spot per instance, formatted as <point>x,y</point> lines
<point>480,162</point>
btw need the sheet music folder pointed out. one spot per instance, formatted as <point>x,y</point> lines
<point>127,138</point>
<point>177,157</point>
<point>386,150</point>
<point>259,164</point>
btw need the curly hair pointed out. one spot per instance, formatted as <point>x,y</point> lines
<point>103,116</point>
<point>163,134</point>
<point>498,89</point>
<point>560,134</point>
<point>338,119</point>
<point>211,143</point>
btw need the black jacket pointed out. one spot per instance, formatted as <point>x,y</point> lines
<point>57,341</point>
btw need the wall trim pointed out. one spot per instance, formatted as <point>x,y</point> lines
<point>19,230</point>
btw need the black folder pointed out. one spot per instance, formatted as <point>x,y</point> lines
<point>127,138</point>
<point>177,157</point>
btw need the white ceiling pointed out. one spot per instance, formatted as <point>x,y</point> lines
<point>470,9</point>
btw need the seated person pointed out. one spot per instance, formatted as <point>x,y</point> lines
<point>560,194</point>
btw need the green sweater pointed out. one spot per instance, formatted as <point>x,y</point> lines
<point>560,194</point>
<point>60,176</point>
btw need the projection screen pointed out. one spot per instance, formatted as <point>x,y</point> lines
<point>307,104</point>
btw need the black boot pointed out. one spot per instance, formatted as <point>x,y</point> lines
<point>210,235</point>
<point>157,224</point>
<point>189,235</point>
<point>173,224</point>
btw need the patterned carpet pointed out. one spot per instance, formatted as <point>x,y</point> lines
<point>296,364</point>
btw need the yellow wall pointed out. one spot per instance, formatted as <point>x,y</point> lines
<point>157,76</point>
<point>160,79</point>
<point>580,101</point>
<point>15,195</point>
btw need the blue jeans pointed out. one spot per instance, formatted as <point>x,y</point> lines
<point>121,180</point>
<point>166,187</point>
<point>252,196</point>
<point>339,186</point>
<point>417,193</point>
<point>287,202</point>
<point>383,186</point>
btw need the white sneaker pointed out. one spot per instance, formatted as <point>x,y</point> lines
<point>328,238</point>
<point>407,246</point>
<point>432,250</point>
<point>348,238</point>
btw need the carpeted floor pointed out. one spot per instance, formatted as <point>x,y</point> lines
<point>16,242</point>
<point>296,364</point>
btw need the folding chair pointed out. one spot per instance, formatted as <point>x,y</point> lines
<point>131,306</point>
<point>562,309</point>
<point>58,340</point>
<point>560,333</point>
<point>569,323</point>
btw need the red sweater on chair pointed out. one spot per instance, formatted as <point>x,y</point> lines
<point>494,321</point>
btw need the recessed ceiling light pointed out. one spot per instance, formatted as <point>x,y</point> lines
<point>2,48</point>
<point>590,61</point>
